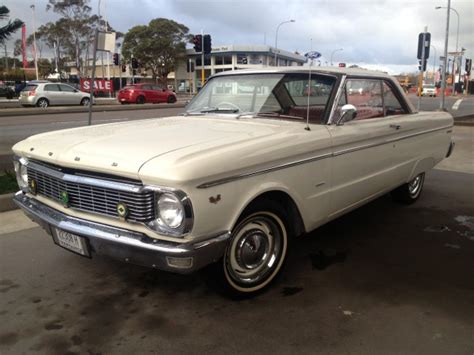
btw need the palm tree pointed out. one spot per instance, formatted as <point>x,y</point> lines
<point>11,27</point>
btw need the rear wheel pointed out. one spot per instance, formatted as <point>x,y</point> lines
<point>43,103</point>
<point>85,101</point>
<point>171,99</point>
<point>410,192</point>
<point>140,100</point>
<point>256,251</point>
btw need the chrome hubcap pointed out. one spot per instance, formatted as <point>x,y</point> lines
<point>254,250</point>
<point>415,185</point>
<point>43,104</point>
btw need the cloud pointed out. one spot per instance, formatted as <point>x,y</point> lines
<point>376,32</point>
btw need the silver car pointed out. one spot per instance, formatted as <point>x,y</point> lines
<point>44,94</point>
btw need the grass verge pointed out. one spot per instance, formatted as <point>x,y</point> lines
<point>8,183</point>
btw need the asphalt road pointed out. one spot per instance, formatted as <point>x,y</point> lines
<point>15,128</point>
<point>384,279</point>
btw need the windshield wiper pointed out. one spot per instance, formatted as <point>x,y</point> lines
<point>218,109</point>
<point>277,114</point>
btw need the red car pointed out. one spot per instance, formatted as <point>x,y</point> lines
<point>145,93</point>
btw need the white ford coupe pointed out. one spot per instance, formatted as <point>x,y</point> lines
<point>258,157</point>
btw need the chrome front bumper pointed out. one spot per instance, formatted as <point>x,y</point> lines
<point>128,246</point>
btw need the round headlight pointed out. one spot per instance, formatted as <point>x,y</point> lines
<point>170,210</point>
<point>21,173</point>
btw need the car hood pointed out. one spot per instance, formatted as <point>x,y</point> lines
<point>168,149</point>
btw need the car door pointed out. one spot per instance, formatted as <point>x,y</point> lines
<point>146,90</point>
<point>158,93</point>
<point>53,93</point>
<point>69,95</point>
<point>362,152</point>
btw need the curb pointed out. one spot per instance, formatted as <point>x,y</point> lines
<point>95,108</point>
<point>6,203</point>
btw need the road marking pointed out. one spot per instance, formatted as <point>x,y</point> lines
<point>456,104</point>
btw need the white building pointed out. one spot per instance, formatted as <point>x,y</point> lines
<point>230,57</point>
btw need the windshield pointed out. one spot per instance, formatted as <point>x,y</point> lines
<point>275,95</point>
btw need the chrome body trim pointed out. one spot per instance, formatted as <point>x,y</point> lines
<point>123,244</point>
<point>314,158</point>
<point>340,90</point>
<point>120,186</point>
<point>263,171</point>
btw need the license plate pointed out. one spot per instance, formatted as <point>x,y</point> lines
<point>71,242</point>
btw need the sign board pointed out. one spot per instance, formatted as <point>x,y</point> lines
<point>106,41</point>
<point>100,85</point>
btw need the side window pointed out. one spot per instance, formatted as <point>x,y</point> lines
<point>366,96</point>
<point>146,87</point>
<point>391,102</point>
<point>66,88</point>
<point>51,87</point>
<point>157,87</point>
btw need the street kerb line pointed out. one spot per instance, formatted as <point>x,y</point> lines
<point>456,104</point>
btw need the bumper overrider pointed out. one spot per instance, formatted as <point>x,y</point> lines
<point>126,245</point>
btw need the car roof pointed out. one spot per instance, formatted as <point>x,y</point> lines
<point>305,69</point>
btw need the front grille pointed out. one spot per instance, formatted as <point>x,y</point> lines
<point>141,206</point>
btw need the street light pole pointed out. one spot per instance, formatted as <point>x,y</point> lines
<point>434,62</point>
<point>276,39</point>
<point>334,51</point>
<point>34,42</point>
<point>457,37</point>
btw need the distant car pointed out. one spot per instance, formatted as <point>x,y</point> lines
<point>145,93</point>
<point>44,94</point>
<point>7,92</point>
<point>429,90</point>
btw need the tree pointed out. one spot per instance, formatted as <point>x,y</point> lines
<point>10,28</point>
<point>75,28</point>
<point>158,47</point>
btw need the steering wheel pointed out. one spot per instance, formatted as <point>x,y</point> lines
<point>228,104</point>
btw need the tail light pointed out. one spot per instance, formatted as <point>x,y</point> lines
<point>32,93</point>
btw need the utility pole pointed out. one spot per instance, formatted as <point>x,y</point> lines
<point>445,59</point>
<point>91,92</point>
<point>202,58</point>
<point>6,57</point>
<point>34,42</point>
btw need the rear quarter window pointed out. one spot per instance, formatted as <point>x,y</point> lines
<point>30,88</point>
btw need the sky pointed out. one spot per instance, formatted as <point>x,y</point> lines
<point>375,34</point>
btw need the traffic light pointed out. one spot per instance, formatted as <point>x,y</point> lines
<point>424,65</point>
<point>342,65</point>
<point>424,47</point>
<point>116,59</point>
<point>244,60</point>
<point>134,63</point>
<point>207,44</point>
<point>468,66</point>
<point>124,68</point>
<point>197,40</point>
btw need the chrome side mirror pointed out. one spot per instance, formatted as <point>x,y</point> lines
<point>348,113</point>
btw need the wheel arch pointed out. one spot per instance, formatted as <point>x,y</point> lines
<point>284,198</point>
<point>421,166</point>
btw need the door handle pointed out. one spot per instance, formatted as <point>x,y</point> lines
<point>395,126</point>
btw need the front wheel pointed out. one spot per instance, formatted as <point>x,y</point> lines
<point>410,192</point>
<point>85,101</point>
<point>256,251</point>
<point>171,99</point>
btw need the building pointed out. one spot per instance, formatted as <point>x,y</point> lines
<point>229,57</point>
